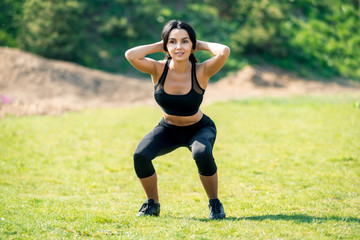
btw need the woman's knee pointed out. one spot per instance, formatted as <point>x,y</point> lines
<point>202,153</point>
<point>141,157</point>
<point>143,165</point>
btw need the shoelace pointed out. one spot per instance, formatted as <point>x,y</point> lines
<point>144,207</point>
<point>216,208</point>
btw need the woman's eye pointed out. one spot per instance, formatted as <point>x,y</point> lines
<point>185,41</point>
<point>171,41</point>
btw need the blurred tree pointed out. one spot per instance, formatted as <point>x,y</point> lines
<point>116,25</point>
<point>259,27</point>
<point>10,12</point>
<point>326,37</point>
<point>309,35</point>
<point>54,29</point>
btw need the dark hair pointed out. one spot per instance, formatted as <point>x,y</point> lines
<point>175,24</point>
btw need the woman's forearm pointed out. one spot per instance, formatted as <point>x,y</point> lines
<point>140,52</point>
<point>214,48</point>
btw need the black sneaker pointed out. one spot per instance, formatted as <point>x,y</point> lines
<point>216,209</point>
<point>149,208</point>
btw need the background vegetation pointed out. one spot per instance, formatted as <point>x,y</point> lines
<point>290,170</point>
<point>321,36</point>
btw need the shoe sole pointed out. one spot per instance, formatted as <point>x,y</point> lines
<point>218,218</point>
<point>147,215</point>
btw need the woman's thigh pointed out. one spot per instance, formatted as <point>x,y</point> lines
<point>157,142</point>
<point>206,135</point>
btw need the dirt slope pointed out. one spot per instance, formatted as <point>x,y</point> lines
<point>34,85</point>
<point>40,85</point>
<point>271,81</point>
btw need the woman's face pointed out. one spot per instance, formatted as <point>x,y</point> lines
<point>179,45</point>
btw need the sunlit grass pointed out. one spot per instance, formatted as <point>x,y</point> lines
<point>289,168</point>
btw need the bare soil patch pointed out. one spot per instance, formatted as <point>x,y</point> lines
<point>30,84</point>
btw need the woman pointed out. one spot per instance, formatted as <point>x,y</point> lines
<point>179,85</point>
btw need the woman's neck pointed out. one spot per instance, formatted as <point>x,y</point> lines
<point>180,66</point>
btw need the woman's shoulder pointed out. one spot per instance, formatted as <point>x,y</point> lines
<point>160,66</point>
<point>200,75</point>
<point>162,62</point>
<point>200,67</point>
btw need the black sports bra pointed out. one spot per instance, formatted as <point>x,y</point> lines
<point>179,105</point>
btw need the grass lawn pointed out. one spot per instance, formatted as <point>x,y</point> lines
<point>289,168</point>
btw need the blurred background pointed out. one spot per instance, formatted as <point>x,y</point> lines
<point>320,37</point>
<point>59,55</point>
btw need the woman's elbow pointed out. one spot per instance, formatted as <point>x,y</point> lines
<point>226,51</point>
<point>129,55</point>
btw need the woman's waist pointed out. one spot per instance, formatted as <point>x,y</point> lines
<point>183,121</point>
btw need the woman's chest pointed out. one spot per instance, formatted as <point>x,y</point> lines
<point>177,84</point>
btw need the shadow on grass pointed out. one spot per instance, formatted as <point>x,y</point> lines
<point>299,218</point>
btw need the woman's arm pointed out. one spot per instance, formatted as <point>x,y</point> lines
<point>137,57</point>
<point>221,53</point>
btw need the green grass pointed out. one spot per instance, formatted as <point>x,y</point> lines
<point>289,168</point>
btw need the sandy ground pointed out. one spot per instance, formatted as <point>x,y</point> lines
<point>34,85</point>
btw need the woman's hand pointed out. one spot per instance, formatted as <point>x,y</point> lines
<point>161,43</point>
<point>199,46</point>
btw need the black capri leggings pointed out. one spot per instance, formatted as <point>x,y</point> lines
<point>199,138</point>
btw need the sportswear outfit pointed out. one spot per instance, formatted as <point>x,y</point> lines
<point>199,138</point>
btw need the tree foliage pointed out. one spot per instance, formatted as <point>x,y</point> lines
<point>53,28</point>
<point>307,36</point>
<point>10,11</point>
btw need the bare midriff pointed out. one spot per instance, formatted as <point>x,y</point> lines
<point>183,121</point>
